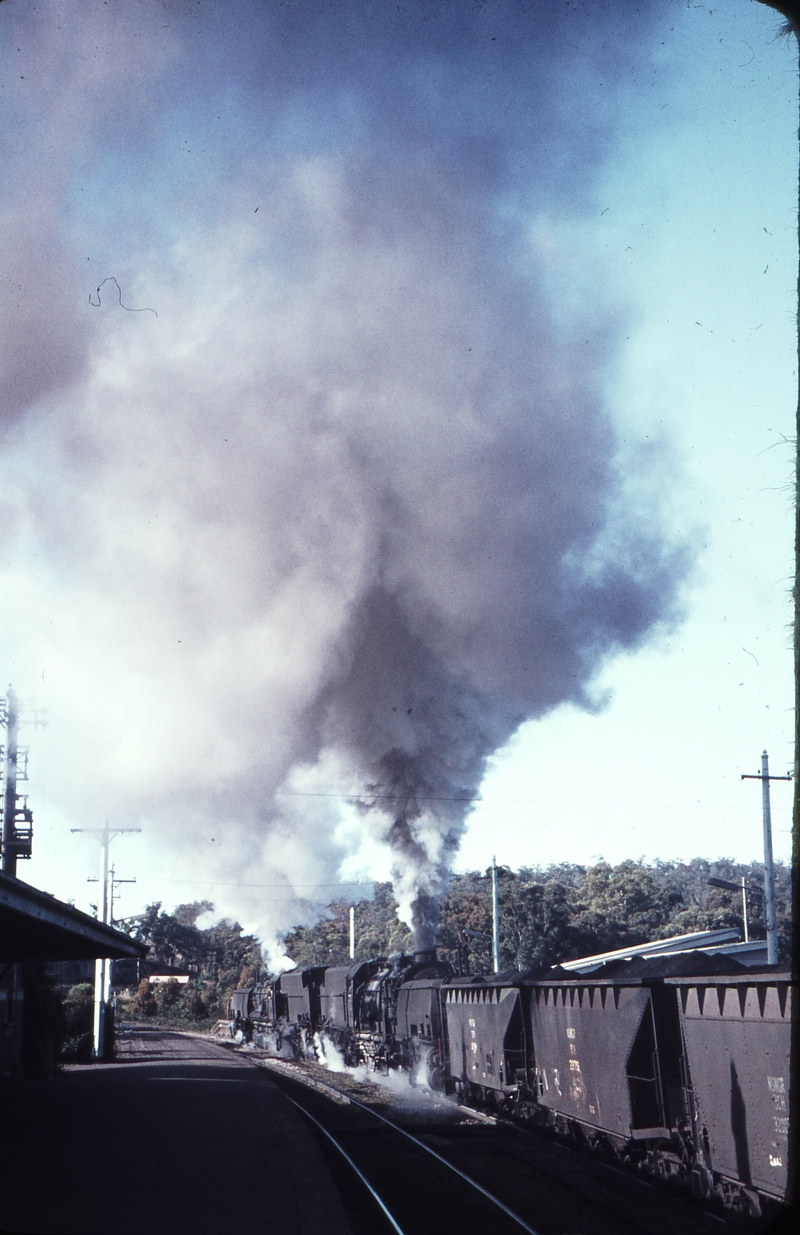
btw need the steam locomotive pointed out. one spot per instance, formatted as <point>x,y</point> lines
<point>383,1013</point>
<point>677,1064</point>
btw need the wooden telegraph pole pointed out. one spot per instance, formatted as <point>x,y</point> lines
<point>769,868</point>
<point>102,966</point>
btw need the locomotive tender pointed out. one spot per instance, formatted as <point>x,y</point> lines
<point>678,1064</point>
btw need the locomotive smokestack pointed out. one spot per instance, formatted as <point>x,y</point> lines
<point>424,917</point>
<point>425,956</point>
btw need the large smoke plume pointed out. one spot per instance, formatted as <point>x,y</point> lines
<point>348,506</point>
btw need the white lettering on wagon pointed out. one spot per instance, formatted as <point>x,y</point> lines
<point>777,1092</point>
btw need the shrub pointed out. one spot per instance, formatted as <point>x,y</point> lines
<point>78,1024</point>
<point>144,1003</point>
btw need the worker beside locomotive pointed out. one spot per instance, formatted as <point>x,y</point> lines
<point>678,1064</point>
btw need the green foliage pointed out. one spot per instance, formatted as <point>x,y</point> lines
<point>171,1002</point>
<point>187,915</point>
<point>78,1010</point>
<point>535,925</point>
<point>176,1001</point>
<point>379,932</point>
<point>547,914</point>
<point>704,908</point>
<point>174,939</point>
<point>219,958</point>
<point>233,960</point>
<point>554,913</point>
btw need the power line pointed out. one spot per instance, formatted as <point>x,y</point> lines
<point>588,803</point>
<point>412,797</point>
<point>356,795</point>
<point>282,887</point>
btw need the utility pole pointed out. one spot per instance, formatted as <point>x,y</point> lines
<point>102,966</point>
<point>114,882</point>
<point>17,835</point>
<point>769,869</point>
<point>495,919</point>
<point>745,887</point>
<point>352,932</point>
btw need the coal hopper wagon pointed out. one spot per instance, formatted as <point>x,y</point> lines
<point>676,1065</point>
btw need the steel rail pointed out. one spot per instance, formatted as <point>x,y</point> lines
<point>421,1145</point>
<point>286,1069</point>
<point>349,1162</point>
<point>473,1184</point>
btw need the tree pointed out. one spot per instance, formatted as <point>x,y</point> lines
<point>379,932</point>
<point>187,915</point>
<point>220,957</point>
<point>173,940</point>
<point>554,913</point>
<point>232,959</point>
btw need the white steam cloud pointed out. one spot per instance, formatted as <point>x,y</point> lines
<point>347,507</point>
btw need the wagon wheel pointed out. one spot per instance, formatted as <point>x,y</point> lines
<point>435,1071</point>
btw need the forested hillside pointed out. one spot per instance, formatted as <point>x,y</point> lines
<point>547,914</point>
<point>555,913</point>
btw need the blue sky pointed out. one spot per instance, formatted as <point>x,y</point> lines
<point>699,234</point>
<point>452,461</point>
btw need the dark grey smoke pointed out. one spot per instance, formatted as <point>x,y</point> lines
<point>352,501</point>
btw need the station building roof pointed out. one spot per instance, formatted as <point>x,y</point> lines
<point>36,926</point>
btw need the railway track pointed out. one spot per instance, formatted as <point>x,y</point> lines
<point>432,1165</point>
<point>391,1179</point>
<point>413,1194</point>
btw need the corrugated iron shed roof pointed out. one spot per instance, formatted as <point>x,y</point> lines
<point>675,943</point>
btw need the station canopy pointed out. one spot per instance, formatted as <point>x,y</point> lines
<point>37,926</point>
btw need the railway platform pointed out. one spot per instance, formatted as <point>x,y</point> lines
<point>174,1136</point>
